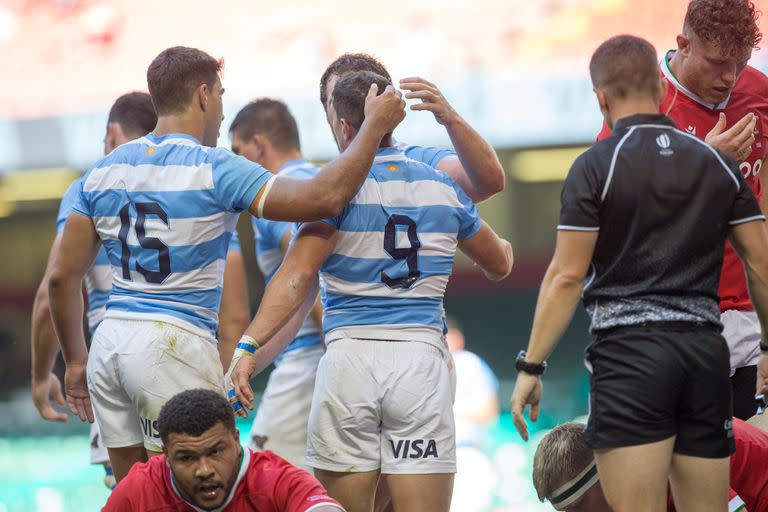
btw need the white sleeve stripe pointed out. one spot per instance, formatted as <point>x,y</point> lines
<point>324,504</point>
<point>613,162</point>
<point>746,219</point>
<point>735,504</point>
<point>563,227</point>
<point>267,188</point>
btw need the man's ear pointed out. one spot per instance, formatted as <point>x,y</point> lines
<point>664,88</point>
<point>684,44</point>
<point>202,93</point>
<point>115,137</point>
<point>347,130</point>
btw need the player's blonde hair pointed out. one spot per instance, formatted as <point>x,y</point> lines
<point>561,455</point>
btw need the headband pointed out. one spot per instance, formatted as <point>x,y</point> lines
<point>571,491</point>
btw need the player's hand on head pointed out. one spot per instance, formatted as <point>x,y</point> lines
<point>45,391</point>
<point>736,141</point>
<point>528,390</point>
<point>386,110</point>
<point>432,100</point>
<point>76,388</point>
<point>241,394</point>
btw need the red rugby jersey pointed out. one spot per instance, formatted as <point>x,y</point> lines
<point>266,483</point>
<point>697,117</point>
<point>749,478</point>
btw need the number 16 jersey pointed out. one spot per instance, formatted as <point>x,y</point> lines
<point>165,209</point>
<point>395,250</point>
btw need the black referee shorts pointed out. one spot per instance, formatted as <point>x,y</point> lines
<point>651,382</point>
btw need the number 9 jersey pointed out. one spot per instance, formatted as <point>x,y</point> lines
<point>394,255</point>
<point>165,209</point>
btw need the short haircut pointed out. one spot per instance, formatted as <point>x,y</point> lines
<point>350,93</point>
<point>134,113</point>
<point>349,63</point>
<point>174,75</point>
<point>728,24</point>
<point>270,118</point>
<point>561,455</point>
<point>193,412</point>
<point>626,66</point>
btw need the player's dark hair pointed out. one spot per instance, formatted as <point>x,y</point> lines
<point>728,24</point>
<point>174,75</point>
<point>270,118</point>
<point>350,93</point>
<point>193,412</point>
<point>134,113</point>
<point>349,63</point>
<point>625,66</point>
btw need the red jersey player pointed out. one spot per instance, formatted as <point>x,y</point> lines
<point>711,86</point>
<point>203,467</point>
<point>564,471</point>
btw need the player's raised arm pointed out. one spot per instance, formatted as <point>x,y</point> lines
<point>289,295</point>
<point>490,252</point>
<point>475,167</point>
<point>332,188</point>
<point>79,246</point>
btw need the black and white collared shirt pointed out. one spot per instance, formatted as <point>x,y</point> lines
<point>663,202</point>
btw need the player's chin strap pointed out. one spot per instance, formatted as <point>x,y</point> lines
<point>246,347</point>
<point>572,491</point>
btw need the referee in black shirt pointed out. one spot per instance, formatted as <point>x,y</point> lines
<point>644,218</point>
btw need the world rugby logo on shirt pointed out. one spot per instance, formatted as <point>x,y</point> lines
<point>664,142</point>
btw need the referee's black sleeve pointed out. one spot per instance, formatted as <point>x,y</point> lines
<point>581,197</point>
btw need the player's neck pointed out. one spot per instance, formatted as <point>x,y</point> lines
<point>386,141</point>
<point>677,64</point>
<point>178,124</point>
<point>632,107</point>
<point>280,159</point>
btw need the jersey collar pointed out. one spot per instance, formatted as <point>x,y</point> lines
<point>157,140</point>
<point>626,122</point>
<point>389,154</point>
<point>245,461</point>
<point>666,70</point>
<point>292,165</point>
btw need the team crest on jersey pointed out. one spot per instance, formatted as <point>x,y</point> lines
<point>664,142</point>
<point>691,129</point>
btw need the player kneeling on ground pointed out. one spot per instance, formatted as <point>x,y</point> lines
<point>383,397</point>
<point>564,471</point>
<point>203,467</point>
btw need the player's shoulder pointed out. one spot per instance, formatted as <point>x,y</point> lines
<point>299,169</point>
<point>753,80</point>
<point>266,468</point>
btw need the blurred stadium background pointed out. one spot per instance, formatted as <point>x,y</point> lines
<point>516,69</point>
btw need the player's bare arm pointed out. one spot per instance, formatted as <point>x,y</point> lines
<point>79,246</point>
<point>476,168</point>
<point>490,252</point>
<point>558,297</point>
<point>46,387</point>
<point>234,313</point>
<point>737,140</point>
<point>316,313</point>
<point>289,295</point>
<point>751,244</point>
<point>326,194</point>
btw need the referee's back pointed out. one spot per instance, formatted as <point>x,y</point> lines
<point>662,201</point>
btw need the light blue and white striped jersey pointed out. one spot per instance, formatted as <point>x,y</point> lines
<point>429,155</point>
<point>268,234</point>
<point>165,209</point>
<point>394,255</point>
<point>98,279</point>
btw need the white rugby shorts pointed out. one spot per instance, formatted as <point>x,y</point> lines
<point>136,366</point>
<point>381,404</point>
<point>281,418</point>
<point>99,453</point>
<point>741,330</point>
